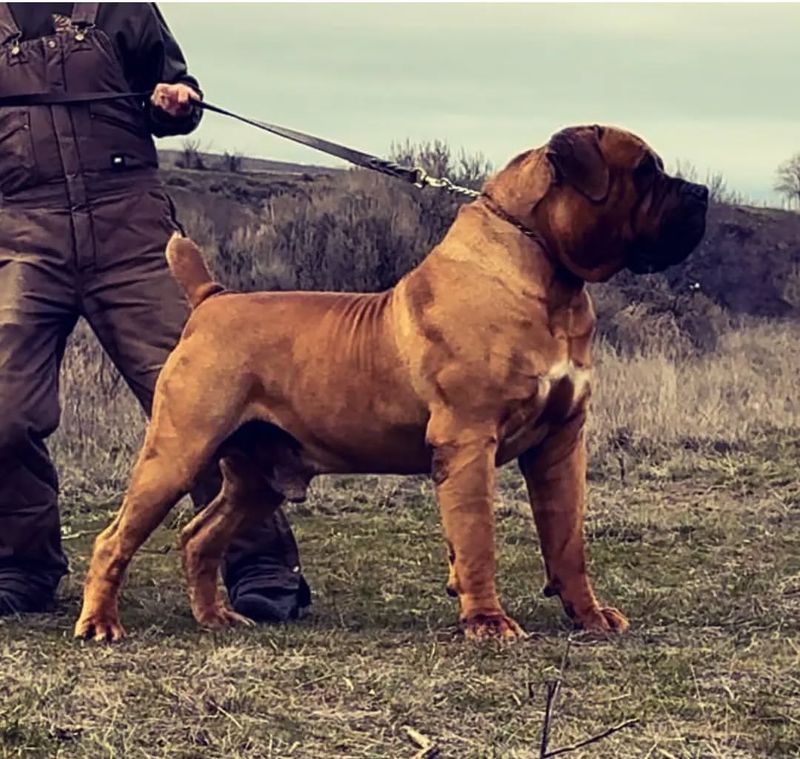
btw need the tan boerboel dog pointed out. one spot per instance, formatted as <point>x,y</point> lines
<point>478,356</point>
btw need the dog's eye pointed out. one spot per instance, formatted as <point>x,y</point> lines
<point>646,171</point>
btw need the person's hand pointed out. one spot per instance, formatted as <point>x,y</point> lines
<point>175,99</point>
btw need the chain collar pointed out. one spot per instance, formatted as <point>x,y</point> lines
<point>500,212</point>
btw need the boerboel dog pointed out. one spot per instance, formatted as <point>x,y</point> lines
<point>478,356</point>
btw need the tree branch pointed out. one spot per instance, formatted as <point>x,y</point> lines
<point>593,739</point>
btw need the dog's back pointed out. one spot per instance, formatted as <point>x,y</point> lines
<point>278,338</point>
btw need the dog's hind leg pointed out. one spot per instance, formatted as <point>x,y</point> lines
<point>245,496</point>
<point>156,485</point>
<point>181,440</point>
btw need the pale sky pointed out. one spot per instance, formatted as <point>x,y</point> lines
<point>713,84</point>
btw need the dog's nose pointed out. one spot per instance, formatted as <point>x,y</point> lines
<point>697,192</point>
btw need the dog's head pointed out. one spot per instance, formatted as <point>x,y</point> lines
<point>600,198</point>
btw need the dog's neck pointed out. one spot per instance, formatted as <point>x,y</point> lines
<point>498,210</point>
<point>560,270</point>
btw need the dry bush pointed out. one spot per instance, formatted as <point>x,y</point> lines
<point>357,231</point>
<point>791,287</point>
<point>718,190</point>
<point>360,232</point>
<point>744,387</point>
<point>232,162</point>
<point>646,314</point>
<point>191,155</point>
<point>436,158</point>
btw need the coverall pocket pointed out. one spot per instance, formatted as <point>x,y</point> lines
<point>17,158</point>
<point>108,120</point>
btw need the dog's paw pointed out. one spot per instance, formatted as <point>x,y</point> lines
<point>604,620</point>
<point>99,626</point>
<point>492,626</point>
<point>220,617</point>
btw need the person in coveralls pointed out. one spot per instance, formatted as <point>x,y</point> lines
<point>84,221</point>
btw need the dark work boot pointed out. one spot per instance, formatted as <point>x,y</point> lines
<point>268,593</point>
<point>261,568</point>
<point>262,573</point>
<point>20,594</point>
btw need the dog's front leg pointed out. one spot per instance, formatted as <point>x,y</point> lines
<point>463,466</point>
<point>555,473</point>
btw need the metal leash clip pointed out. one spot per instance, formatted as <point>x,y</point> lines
<point>443,183</point>
<point>423,179</point>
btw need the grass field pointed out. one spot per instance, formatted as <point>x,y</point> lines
<point>694,532</point>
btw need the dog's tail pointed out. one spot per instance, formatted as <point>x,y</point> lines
<point>190,271</point>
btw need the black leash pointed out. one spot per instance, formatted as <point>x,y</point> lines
<point>415,175</point>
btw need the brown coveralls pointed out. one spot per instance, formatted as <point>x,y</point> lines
<point>84,221</point>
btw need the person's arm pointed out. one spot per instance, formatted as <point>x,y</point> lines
<point>154,61</point>
<point>174,71</point>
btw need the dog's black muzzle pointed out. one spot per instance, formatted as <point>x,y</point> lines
<point>681,230</point>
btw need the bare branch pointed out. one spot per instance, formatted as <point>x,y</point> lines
<point>593,739</point>
<point>551,698</point>
<point>788,179</point>
<point>553,689</point>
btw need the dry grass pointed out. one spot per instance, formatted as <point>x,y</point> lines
<point>748,384</point>
<point>707,568</point>
<point>694,531</point>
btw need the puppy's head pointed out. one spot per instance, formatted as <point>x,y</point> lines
<point>600,198</point>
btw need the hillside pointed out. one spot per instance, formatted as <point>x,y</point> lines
<point>357,230</point>
<point>214,161</point>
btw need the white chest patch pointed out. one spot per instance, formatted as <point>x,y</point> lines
<point>579,377</point>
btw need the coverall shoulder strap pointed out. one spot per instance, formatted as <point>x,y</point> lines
<point>8,26</point>
<point>84,14</point>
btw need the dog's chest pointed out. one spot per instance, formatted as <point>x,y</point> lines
<point>556,396</point>
<point>564,385</point>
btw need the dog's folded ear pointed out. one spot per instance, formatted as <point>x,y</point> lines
<point>522,183</point>
<point>577,159</point>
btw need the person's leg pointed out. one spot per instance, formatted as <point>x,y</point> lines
<point>262,571</point>
<point>137,312</point>
<point>36,316</point>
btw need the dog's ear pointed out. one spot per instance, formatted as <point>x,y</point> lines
<point>523,182</point>
<point>577,159</point>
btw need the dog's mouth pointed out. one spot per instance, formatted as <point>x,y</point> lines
<point>679,234</point>
<point>644,266</point>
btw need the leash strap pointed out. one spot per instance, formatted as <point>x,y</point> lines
<point>64,98</point>
<point>414,175</point>
<point>356,157</point>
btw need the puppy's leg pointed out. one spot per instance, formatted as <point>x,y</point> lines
<point>244,498</point>
<point>190,419</point>
<point>203,543</point>
<point>463,474</point>
<point>156,485</point>
<point>555,474</point>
